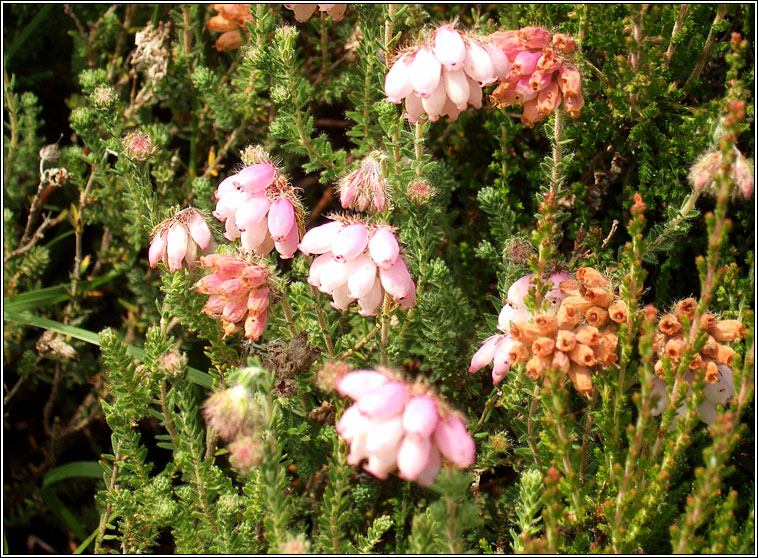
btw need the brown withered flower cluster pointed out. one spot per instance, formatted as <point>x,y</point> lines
<point>670,340</point>
<point>580,338</point>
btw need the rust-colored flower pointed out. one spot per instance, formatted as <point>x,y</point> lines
<point>669,325</point>
<point>230,22</point>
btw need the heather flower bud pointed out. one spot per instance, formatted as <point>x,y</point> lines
<point>397,84</point>
<point>364,189</point>
<point>420,416</point>
<point>724,331</point>
<point>245,453</point>
<point>420,192</point>
<point>228,412</point>
<point>138,146</point>
<point>104,96</point>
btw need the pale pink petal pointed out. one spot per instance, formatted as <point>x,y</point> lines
<point>474,94</point>
<point>420,416</point>
<point>288,246</point>
<point>478,64</point>
<point>386,401</point>
<point>360,383</point>
<point>350,242</point>
<point>352,423</point>
<point>485,354</point>
<point>254,235</point>
<point>413,456</point>
<point>434,104</point>
<point>449,49</point>
<point>397,281</point>
<point>176,246</point>
<point>362,276</point>
<point>432,469</point>
<point>157,247</point>
<point>231,232</point>
<point>319,239</point>
<point>255,178</point>
<point>341,298</point>
<point>454,441</point>
<point>252,211</point>
<point>456,86</point>
<point>333,273</point>
<point>501,67</point>
<point>397,84</point>
<point>425,72</point>
<point>281,218</point>
<point>383,248</point>
<point>314,273</point>
<point>264,249</point>
<point>414,108</point>
<point>371,302</point>
<point>199,230</point>
<point>190,256</point>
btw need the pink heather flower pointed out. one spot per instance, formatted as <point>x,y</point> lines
<point>497,348</point>
<point>179,239</point>
<point>715,394</point>
<point>358,262</point>
<point>703,174</point>
<point>258,206</point>
<point>449,48</point>
<point>396,425</point>
<point>364,189</point>
<point>444,76</point>
<point>239,294</point>
<point>541,77</point>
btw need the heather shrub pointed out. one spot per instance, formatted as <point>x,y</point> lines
<point>379,278</point>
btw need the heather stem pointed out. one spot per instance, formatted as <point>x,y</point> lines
<point>530,425</point>
<point>385,328</point>
<point>557,153</point>
<point>322,323</point>
<point>419,148</point>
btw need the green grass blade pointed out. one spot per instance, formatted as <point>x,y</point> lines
<point>75,469</point>
<point>196,376</point>
<point>42,298</point>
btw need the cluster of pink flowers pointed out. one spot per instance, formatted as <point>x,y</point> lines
<point>540,76</point>
<point>498,348</point>
<point>358,262</point>
<point>444,76</point>
<point>259,207</point>
<point>179,239</point>
<point>303,12</point>
<point>396,425</point>
<point>239,294</point>
<point>703,173</point>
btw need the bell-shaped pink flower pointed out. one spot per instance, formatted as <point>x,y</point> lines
<point>478,64</point>
<point>427,476</point>
<point>370,302</point>
<point>413,455</point>
<point>456,87</point>
<point>449,48</point>
<point>288,246</point>
<point>420,416</point>
<point>454,441</point>
<point>362,276</point>
<point>254,178</point>
<point>157,247</point>
<point>350,242</point>
<point>435,102</point>
<point>414,108</point>
<point>360,383</point>
<point>485,354</point>
<point>176,246</point>
<point>397,84</point>
<point>425,72</point>
<point>199,230</point>
<point>252,211</point>
<point>383,248</point>
<point>281,219</point>
<point>320,239</point>
<point>570,80</point>
<point>386,401</point>
<point>397,281</point>
<point>501,66</point>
